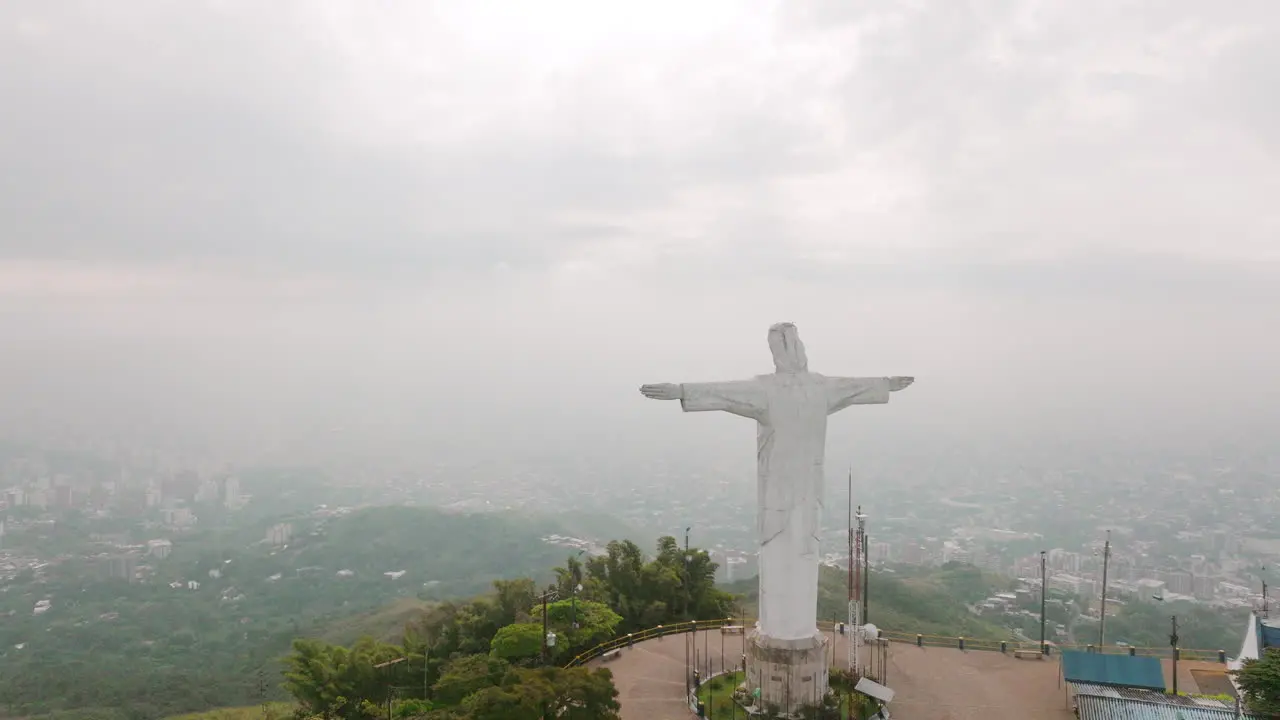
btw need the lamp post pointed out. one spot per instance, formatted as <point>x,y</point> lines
<point>866,579</point>
<point>1102,615</point>
<point>1264,593</point>
<point>390,688</point>
<point>577,588</point>
<point>1044,593</point>
<point>548,637</point>
<point>1173,644</point>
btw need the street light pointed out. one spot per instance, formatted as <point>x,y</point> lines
<point>1173,644</point>
<point>548,637</point>
<point>390,688</point>
<point>573,611</point>
<point>577,588</point>
<point>1044,592</point>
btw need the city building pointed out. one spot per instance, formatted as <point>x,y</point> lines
<point>178,517</point>
<point>231,493</point>
<point>159,548</point>
<point>120,567</point>
<point>279,534</point>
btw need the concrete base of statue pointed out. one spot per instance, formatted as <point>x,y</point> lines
<point>790,674</point>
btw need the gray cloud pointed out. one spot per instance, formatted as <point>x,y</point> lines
<point>281,213</point>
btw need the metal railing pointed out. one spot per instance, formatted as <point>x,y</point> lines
<point>919,639</point>
<point>630,639</point>
<point>925,640</point>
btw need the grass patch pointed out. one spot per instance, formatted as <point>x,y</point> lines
<point>275,711</point>
<point>717,694</point>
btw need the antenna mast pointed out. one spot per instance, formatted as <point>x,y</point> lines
<point>1264,593</point>
<point>1102,615</point>
<point>856,645</point>
<point>849,624</point>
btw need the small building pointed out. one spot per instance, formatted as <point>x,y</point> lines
<point>159,548</point>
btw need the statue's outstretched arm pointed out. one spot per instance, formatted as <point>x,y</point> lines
<point>843,392</point>
<point>740,397</point>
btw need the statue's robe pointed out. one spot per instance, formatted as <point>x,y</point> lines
<point>790,409</point>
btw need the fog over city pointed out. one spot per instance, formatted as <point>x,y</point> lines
<point>333,335</point>
<point>321,231</point>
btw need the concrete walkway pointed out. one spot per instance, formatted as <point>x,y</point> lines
<point>931,683</point>
<point>650,676</point>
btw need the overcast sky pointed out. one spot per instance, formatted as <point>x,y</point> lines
<point>400,226</point>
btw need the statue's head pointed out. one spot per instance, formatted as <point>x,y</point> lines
<point>788,351</point>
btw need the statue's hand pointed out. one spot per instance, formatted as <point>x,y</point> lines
<point>661,391</point>
<point>900,383</point>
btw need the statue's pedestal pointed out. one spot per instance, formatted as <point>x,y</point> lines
<point>789,673</point>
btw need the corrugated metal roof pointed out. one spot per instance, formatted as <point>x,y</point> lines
<point>1151,696</point>
<point>1096,707</point>
<point>1114,670</point>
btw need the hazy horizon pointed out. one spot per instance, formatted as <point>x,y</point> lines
<point>319,230</point>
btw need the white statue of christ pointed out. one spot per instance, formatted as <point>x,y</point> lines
<point>790,408</point>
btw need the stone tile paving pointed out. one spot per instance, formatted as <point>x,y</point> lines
<point>931,683</point>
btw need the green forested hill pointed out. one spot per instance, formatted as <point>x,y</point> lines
<point>931,601</point>
<point>148,650</point>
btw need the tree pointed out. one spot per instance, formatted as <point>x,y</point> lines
<point>1260,682</point>
<point>514,597</point>
<point>596,622</point>
<point>672,587</point>
<point>311,674</point>
<point>568,694</point>
<point>467,675</point>
<point>583,693</point>
<point>334,681</point>
<point>517,642</point>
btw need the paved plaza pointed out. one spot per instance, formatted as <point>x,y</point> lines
<point>931,683</point>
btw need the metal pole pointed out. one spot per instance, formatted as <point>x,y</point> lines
<point>1044,592</point>
<point>1173,643</point>
<point>687,579</point>
<point>706,650</point>
<point>742,616</point>
<point>262,691</point>
<point>544,628</point>
<point>574,577</point>
<point>1102,618</point>
<point>849,650</point>
<point>687,675</point>
<point>866,579</point>
<point>857,601</point>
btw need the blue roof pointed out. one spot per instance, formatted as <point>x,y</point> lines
<point>1114,670</point>
<point>1268,634</point>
